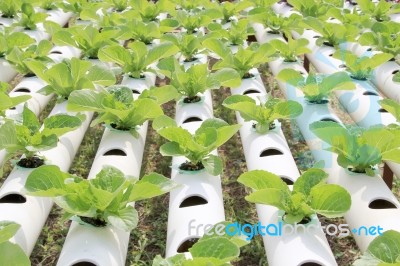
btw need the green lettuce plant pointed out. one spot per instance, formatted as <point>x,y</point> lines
<point>228,10</point>
<point>76,6</point>
<point>276,23</point>
<point>383,37</point>
<point>27,138</point>
<point>379,11</point>
<point>137,59</point>
<point>47,4</point>
<point>9,40</point>
<point>382,251</point>
<point>37,52</point>
<point>392,107</point>
<point>7,102</point>
<point>101,201</point>
<point>191,22</point>
<point>189,45</point>
<point>263,113</point>
<point>119,5</point>
<point>197,147</point>
<point>316,87</point>
<point>333,34</point>
<point>264,3</point>
<point>244,59</point>
<point>87,38</point>
<point>235,35</point>
<point>149,11</point>
<point>146,32</point>
<point>102,19</point>
<point>196,79</point>
<point>11,253</point>
<point>193,5</point>
<point>69,75</point>
<point>29,18</point>
<point>118,108</point>
<point>315,8</point>
<point>212,249</point>
<point>361,68</point>
<point>10,8</point>
<point>292,49</point>
<point>359,150</point>
<point>310,195</point>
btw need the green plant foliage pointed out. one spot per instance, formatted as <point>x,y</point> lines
<point>103,200</point>
<point>10,253</point>
<point>7,102</point>
<point>236,34</point>
<point>137,59</point>
<point>70,75</point>
<point>211,250</point>
<point>196,148</point>
<point>118,108</point>
<point>392,107</point>
<point>245,58</point>
<point>228,10</point>
<point>36,52</point>
<point>315,8</point>
<point>263,113</point>
<point>384,250</point>
<point>10,8</point>
<point>88,39</point>
<point>29,18</point>
<point>359,150</point>
<point>291,49</point>
<point>379,11</point>
<point>310,194</point>
<point>9,40</point>
<point>316,88</point>
<point>361,68</point>
<point>189,45</point>
<point>197,78</point>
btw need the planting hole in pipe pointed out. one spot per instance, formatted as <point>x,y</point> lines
<point>327,119</point>
<point>13,198</point>
<point>369,49</point>
<point>26,90</point>
<point>56,52</point>
<point>192,119</point>
<point>135,91</point>
<point>188,243</point>
<point>380,204</point>
<point>382,110</point>
<point>251,91</point>
<point>310,264</point>
<point>12,108</point>
<point>84,263</point>
<point>396,71</point>
<point>287,180</point>
<point>342,66</point>
<point>370,93</point>
<point>193,201</point>
<point>115,152</point>
<point>270,152</point>
<point>316,36</point>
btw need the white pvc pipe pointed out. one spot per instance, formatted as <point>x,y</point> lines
<point>7,72</point>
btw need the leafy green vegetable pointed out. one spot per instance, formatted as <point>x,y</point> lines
<point>37,52</point>
<point>228,10</point>
<point>291,49</point>
<point>379,11</point>
<point>119,5</point>
<point>27,138</point>
<point>136,60</point>
<point>146,32</point>
<point>69,75</point>
<point>47,4</point>
<point>235,35</point>
<point>310,194</point>
<point>383,37</point>
<point>9,40</point>
<point>264,113</point>
<point>193,5</point>
<point>188,44</point>
<point>7,102</point>
<point>392,107</point>
<point>276,23</point>
<point>316,88</point>
<point>244,59</point>
<point>192,22</point>
<point>87,38</point>
<point>359,149</point>
<point>315,8</point>
<point>117,107</point>
<point>29,18</point>
<point>101,201</point>
<point>196,148</point>
<point>76,6</point>
<point>361,68</point>
<point>10,8</point>
<point>211,250</point>
<point>10,253</point>
<point>197,78</point>
<point>149,11</point>
<point>384,250</point>
<point>333,34</point>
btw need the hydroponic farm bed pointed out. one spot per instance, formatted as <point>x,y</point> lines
<point>257,132</point>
